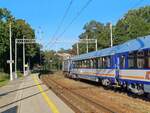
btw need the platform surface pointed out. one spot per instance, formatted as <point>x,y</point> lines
<point>30,95</point>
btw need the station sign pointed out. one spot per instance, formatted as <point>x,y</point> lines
<point>10,61</point>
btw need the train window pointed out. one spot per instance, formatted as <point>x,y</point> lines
<point>122,62</point>
<point>84,63</point>
<point>147,58</point>
<point>140,60</point>
<point>148,65</point>
<point>79,64</point>
<point>73,64</point>
<point>106,61</point>
<point>100,63</point>
<point>95,63</point>
<point>149,62</point>
<point>87,64</point>
<point>131,60</point>
<point>76,64</point>
<point>91,63</point>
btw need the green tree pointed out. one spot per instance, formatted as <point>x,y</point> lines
<point>95,30</point>
<point>20,29</point>
<point>134,24</point>
<point>51,60</point>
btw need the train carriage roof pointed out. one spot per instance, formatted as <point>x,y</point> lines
<point>132,45</point>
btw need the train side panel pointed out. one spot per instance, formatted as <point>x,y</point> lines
<point>94,74</point>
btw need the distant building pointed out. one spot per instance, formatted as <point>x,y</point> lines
<point>64,55</point>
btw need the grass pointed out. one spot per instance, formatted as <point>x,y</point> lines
<point>19,74</point>
<point>4,79</point>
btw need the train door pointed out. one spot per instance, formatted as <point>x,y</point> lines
<point>117,67</point>
<point>121,65</point>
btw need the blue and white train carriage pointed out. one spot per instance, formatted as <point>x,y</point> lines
<point>126,65</point>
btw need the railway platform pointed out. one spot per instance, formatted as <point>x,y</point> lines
<point>30,95</point>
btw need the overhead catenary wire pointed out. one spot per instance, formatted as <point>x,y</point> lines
<point>72,21</point>
<point>78,14</point>
<point>62,20</point>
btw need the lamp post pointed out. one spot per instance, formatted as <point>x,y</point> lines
<point>23,57</point>
<point>111,39</point>
<point>10,44</point>
<point>77,48</point>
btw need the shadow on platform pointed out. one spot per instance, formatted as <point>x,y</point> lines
<point>11,110</point>
<point>22,99</point>
<point>6,93</point>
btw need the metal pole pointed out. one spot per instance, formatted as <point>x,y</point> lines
<point>111,35</point>
<point>96,44</point>
<point>10,63</point>
<point>15,58</point>
<point>77,48</point>
<point>41,36</point>
<point>87,47</point>
<point>23,57</point>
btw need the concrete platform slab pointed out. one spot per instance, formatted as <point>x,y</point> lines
<point>30,95</point>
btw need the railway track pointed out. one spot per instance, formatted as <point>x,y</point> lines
<point>77,101</point>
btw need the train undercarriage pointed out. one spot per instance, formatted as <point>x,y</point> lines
<point>138,89</point>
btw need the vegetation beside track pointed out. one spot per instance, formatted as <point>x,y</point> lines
<point>4,78</point>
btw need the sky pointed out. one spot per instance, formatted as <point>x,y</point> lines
<point>45,16</point>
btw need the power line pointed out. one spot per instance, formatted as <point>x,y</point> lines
<point>74,19</point>
<point>65,15</point>
<point>78,14</point>
<point>62,20</point>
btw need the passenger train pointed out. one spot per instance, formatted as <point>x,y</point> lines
<point>126,65</point>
